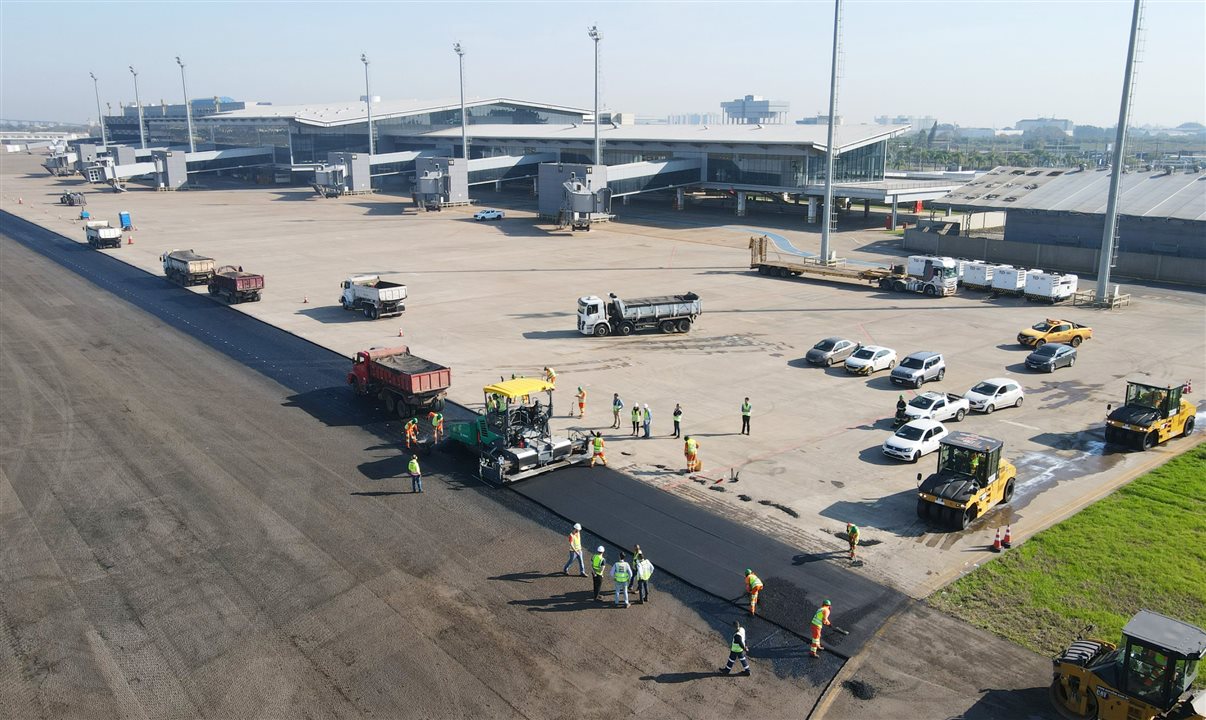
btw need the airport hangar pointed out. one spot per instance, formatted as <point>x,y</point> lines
<point>546,145</point>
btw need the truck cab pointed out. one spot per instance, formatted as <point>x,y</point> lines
<point>592,310</point>
<point>971,479</point>
<point>1151,415</point>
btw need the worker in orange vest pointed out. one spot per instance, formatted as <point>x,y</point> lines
<point>581,401</point>
<point>412,432</point>
<point>597,449</point>
<point>819,619</point>
<point>575,544</point>
<point>437,424</point>
<point>753,586</point>
<point>550,376</point>
<point>691,451</point>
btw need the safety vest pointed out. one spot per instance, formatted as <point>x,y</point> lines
<point>413,466</point>
<point>551,375</point>
<point>575,541</point>
<point>622,573</point>
<point>598,442</point>
<point>746,408</point>
<point>411,425</point>
<point>678,415</point>
<point>854,533</point>
<point>753,582</point>
<point>644,570</point>
<point>437,419</point>
<point>636,414</point>
<point>692,446</point>
<point>648,415</point>
<point>581,396</point>
<point>821,616</point>
<point>738,644</point>
<point>597,563</point>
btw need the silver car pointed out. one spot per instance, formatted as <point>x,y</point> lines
<point>831,351</point>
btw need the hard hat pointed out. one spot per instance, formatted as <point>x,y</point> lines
<point>646,406</point>
<point>577,526</point>
<point>826,603</point>
<point>600,549</point>
<point>749,572</point>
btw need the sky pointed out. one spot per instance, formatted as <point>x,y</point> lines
<point>976,63</point>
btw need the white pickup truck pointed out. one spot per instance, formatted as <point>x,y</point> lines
<point>373,296</point>
<point>937,406</point>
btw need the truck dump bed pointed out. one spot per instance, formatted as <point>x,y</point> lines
<point>660,300</point>
<point>238,281</point>
<point>408,372</point>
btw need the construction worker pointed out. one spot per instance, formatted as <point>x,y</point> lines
<point>550,376</point>
<point>852,536</point>
<point>437,425</point>
<point>636,556</point>
<point>411,428</point>
<point>753,586</point>
<point>581,401</point>
<point>597,449</point>
<point>746,409</point>
<point>820,618</point>
<point>621,573</point>
<point>575,543</point>
<point>416,475</point>
<point>616,406</point>
<point>636,419</point>
<point>597,563</point>
<point>647,419</point>
<point>691,451</point>
<point>737,649</point>
<point>643,571</point>
<point>678,419</point>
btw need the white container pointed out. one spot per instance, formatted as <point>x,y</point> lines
<point>1050,287</point>
<point>978,276</point>
<point>1008,279</point>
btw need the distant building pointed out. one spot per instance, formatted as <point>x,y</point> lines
<point>917,122</point>
<point>696,119</point>
<point>755,110</point>
<point>975,133</point>
<point>820,120</point>
<point>1064,126</point>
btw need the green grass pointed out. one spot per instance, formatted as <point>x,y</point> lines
<point>1143,546</point>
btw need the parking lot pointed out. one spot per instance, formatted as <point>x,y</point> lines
<point>496,298</point>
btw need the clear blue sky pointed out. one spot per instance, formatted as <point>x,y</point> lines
<point>970,62</point>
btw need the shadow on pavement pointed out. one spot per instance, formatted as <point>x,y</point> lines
<point>875,456</point>
<point>1028,703</point>
<point>382,493</point>
<point>526,576</point>
<point>681,677</point>
<point>566,602</point>
<point>872,512</point>
<point>330,314</point>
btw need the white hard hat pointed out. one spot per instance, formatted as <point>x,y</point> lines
<point>646,406</point>
<point>600,549</point>
<point>577,526</point>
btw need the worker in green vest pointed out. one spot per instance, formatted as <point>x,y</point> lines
<point>636,418</point>
<point>437,425</point>
<point>597,563</point>
<point>621,573</point>
<point>852,536</point>
<point>746,409</point>
<point>753,586</point>
<point>737,649</point>
<point>596,443</point>
<point>416,475</point>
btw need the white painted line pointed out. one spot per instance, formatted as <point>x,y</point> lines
<point>1021,425</point>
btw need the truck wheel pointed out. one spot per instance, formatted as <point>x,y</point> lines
<point>930,290</point>
<point>390,403</point>
<point>899,286</point>
<point>213,289</point>
<point>965,518</point>
<point>374,313</point>
<point>684,325</point>
<point>1150,441</point>
<point>884,284</point>
<point>367,310</point>
<point>667,326</point>
<point>1075,341</point>
<point>601,330</point>
<point>960,414</point>
<point>626,328</point>
<point>1188,430</point>
<point>1008,491</point>
<point>346,305</point>
<point>784,272</point>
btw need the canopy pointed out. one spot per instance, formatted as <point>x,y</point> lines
<point>518,387</point>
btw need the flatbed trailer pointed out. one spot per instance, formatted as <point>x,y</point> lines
<point>768,260</point>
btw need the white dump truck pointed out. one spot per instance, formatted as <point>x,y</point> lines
<point>185,267</point>
<point>669,313</point>
<point>102,235</point>
<point>1050,287</point>
<point>375,297</point>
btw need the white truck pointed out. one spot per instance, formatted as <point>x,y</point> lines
<point>102,235</point>
<point>928,274</point>
<point>375,297</point>
<point>1050,287</point>
<point>938,406</point>
<point>670,313</point>
<point>185,267</point>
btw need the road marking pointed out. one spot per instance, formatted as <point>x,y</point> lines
<point>1022,425</point>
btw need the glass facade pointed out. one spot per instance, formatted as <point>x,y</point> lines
<point>863,164</point>
<point>659,181</point>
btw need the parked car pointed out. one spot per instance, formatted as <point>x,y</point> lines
<point>994,393</point>
<point>1053,331</point>
<point>1051,356</point>
<point>869,359</point>
<point>489,215</point>
<point>916,438</point>
<point>919,368</point>
<point>831,351</point>
<point>937,406</point>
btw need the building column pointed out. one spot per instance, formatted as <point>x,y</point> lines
<point>866,209</point>
<point>892,222</point>
<point>740,203</point>
<point>680,198</point>
<point>625,201</point>
<point>535,186</point>
<point>812,210</point>
<point>498,186</point>
<point>948,212</point>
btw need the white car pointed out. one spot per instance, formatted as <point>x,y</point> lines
<point>869,359</point>
<point>488,215</point>
<point>995,393</point>
<point>916,438</point>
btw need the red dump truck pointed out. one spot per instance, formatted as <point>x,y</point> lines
<point>406,383</point>
<point>235,286</point>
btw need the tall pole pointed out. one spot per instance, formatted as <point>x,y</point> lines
<point>829,150</point>
<point>99,115</point>
<point>368,100</point>
<point>1124,116</point>
<point>460,54</point>
<point>142,135</point>
<point>188,107</point>
<point>596,36</point>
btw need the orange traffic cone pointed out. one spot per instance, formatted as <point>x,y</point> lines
<point>1188,387</point>
<point>996,543</point>
<point>1008,541</point>
<point>305,299</point>
<point>20,201</point>
<point>399,332</point>
<point>130,240</point>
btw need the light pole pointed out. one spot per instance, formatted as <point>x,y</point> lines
<point>142,135</point>
<point>831,160</point>
<point>188,107</point>
<point>99,115</point>
<point>595,35</point>
<point>460,54</point>
<point>368,100</point>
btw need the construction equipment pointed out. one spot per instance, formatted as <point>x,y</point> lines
<point>375,297</point>
<point>670,313</point>
<point>407,384</point>
<point>972,478</point>
<point>185,267</point>
<point>235,286</point>
<point>1148,676</point>
<point>926,274</point>
<point>1049,287</point>
<point>1151,415</point>
<point>512,439</point>
<point>73,199</point>
<point>102,235</point>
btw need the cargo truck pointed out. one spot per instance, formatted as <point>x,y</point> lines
<point>926,274</point>
<point>670,313</point>
<point>375,297</point>
<point>407,384</point>
<point>185,267</point>
<point>1050,287</point>
<point>102,235</point>
<point>235,286</point>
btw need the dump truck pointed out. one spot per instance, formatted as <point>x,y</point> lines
<point>1148,676</point>
<point>616,316</point>
<point>235,286</point>
<point>926,274</point>
<point>972,478</point>
<point>101,234</point>
<point>1049,287</point>
<point>1151,415</point>
<point>185,267</point>
<point>511,438</point>
<point>375,297</point>
<point>405,383</point>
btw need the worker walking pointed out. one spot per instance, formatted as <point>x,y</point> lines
<point>636,419</point>
<point>753,586</point>
<point>596,452</point>
<point>437,425</point>
<point>691,451</point>
<point>550,376</point>
<point>597,563</point>
<point>852,536</point>
<point>416,475</point>
<point>581,401</point>
<point>411,428</point>
<point>616,406</point>
<point>647,418</point>
<point>819,619</point>
<point>621,573</point>
<point>746,409</point>
<point>678,419</point>
<point>575,543</point>
<point>737,650</point>
<point>643,571</point>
